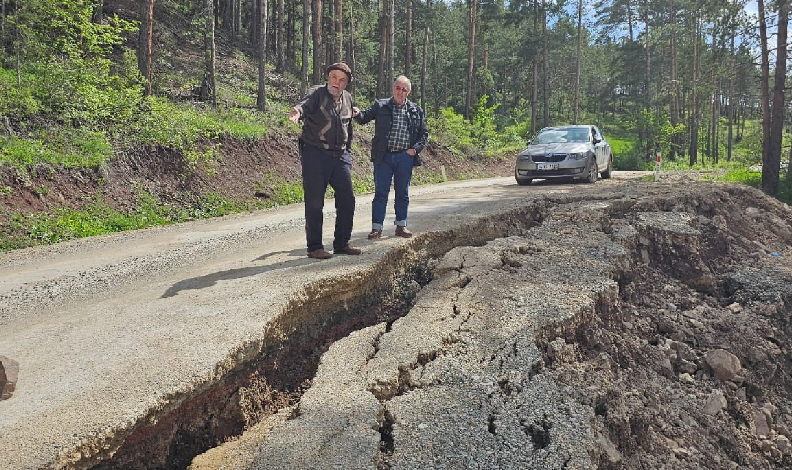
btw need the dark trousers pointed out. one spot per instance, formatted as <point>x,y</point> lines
<point>320,169</point>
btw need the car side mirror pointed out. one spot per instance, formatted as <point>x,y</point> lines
<point>596,140</point>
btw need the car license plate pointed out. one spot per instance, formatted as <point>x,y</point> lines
<point>547,166</point>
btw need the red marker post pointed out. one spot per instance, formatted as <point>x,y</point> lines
<point>657,166</point>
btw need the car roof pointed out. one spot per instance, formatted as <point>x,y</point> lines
<point>575,126</point>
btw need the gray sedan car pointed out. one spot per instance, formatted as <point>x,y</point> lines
<point>567,152</point>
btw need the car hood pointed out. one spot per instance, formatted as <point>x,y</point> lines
<point>566,147</point>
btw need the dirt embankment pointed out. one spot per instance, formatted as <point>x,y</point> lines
<point>243,171</point>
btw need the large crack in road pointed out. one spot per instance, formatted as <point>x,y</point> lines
<point>501,343</point>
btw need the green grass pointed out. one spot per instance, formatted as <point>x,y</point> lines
<point>98,218</point>
<point>63,147</point>
<point>180,126</point>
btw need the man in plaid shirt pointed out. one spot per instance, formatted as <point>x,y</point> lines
<point>399,136</point>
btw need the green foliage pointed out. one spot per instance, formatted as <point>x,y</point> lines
<point>215,205</point>
<point>65,147</point>
<point>479,138</point>
<point>363,184</point>
<point>279,191</point>
<point>98,218</point>
<point>785,189</point>
<point>742,175</point>
<point>452,131</point>
<point>179,126</point>
<point>66,73</point>
<point>484,121</point>
<point>669,131</point>
<point>625,153</point>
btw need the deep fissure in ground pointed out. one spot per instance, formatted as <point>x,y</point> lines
<point>670,279</point>
<point>285,368</point>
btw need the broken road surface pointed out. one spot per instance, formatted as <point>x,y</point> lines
<point>549,326</point>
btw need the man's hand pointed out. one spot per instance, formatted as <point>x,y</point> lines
<point>410,152</point>
<point>355,111</point>
<point>294,115</point>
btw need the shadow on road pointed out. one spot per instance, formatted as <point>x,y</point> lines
<point>210,280</point>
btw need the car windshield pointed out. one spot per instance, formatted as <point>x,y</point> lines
<point>550,137</point>
<point>559,136</point>
<point>577,135</point>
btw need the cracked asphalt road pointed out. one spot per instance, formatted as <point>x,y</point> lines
<point>111,331</point>
<point>117,336</point>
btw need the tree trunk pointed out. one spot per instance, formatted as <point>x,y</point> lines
<point>253,30</point>
<point>332,43</point>
<point>208,87</point>
<point>391,49</point>
<point>318,46</point>
<point>146,44</point>
<point>382,87</point>
<point>545,66</point>
<point>280,27</point>
<point>535,71</point>
<point>730,104</point>
<point>408,40</point>
<point>306,50</point>
<point>339,31</point>
<point>472,13</point>
<point>772,166</point>
<point>764,88</point>
<point>715,120</point>
<point>236,19</point>
<point>648,83</point>
<point>630,20</point>
<point>576,109</point>
<point>291,31</point>
<point>96,18</point>
<point>352,59</point>
<point>425,58</point>
<point>674,98</point>
<point>261,99</point>
<point>694,106</point>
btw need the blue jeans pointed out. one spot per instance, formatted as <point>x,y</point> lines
<point>396,168</point>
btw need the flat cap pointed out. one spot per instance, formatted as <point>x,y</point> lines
<point>342,67</point>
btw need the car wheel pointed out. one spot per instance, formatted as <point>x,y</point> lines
<point>593,172</point>
<point>607,173</point>
<point>524,182</point>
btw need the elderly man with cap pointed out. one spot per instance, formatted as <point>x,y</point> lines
<point>325,143</point>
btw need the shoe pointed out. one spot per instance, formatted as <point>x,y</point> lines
<point>347,250</point>
<point>319,254</point>
<point>375,233</point>
<point>403,232</point>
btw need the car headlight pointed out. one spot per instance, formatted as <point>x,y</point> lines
<point>578,156</point>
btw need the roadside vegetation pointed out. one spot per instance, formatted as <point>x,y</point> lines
<point>76,92</point>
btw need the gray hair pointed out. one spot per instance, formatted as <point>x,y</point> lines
<point>403,79</point>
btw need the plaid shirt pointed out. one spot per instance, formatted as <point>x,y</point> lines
<point>399,138</point>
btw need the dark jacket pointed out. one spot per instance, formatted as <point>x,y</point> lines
<point>322,126</point>
<point>382,112</point>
